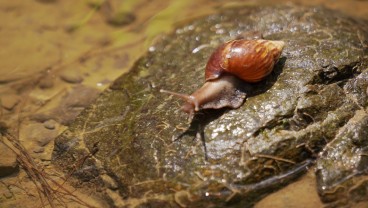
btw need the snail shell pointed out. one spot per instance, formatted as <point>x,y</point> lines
<point>247,60</point>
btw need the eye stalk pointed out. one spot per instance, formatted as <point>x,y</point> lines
<point>191,104</point>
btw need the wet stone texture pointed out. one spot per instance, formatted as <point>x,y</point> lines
<point>311,110</point>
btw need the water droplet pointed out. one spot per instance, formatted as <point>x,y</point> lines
<point>151,49</point>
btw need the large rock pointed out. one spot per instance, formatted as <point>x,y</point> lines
<point>313,104</point>
<point>8,161</point>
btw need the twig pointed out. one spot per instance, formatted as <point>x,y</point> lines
<point>40,178</point>
<point>275,158</point>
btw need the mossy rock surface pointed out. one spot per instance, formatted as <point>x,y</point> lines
<point>311,109</point>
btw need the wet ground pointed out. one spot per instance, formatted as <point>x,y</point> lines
<point>57,56</point>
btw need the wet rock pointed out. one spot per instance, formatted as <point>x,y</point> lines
<point>9,101</point>
<point>109,182</point>
<point>46,83</point>
<point>8,161</point>
<point>45,139</point>
<point>38,149</point>
<point>80,97</point>
<point>50,124</point>
<point>8,195</point>
<point>317,91</point>
<point>43,156</point>
<point>357,88</point>
<point>5,192</point>
<point>3,127</point>
<point>116,14</point>
<point>115,197</point>
<point>71,105</point>
<point>41,117</point>
<point>47,1</point>
<point>71,76</point>
<point>39,134</point>
<point>120,18</point>
<point>343,167</point>
<point>343,163</point>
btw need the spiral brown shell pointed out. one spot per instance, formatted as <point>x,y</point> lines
<point>249,60</point>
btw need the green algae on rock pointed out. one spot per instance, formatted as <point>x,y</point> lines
<point>297,112</point>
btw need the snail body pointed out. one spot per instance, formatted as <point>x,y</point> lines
<point>231,63</point>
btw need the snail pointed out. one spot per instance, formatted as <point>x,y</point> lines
<point>229,66</point>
